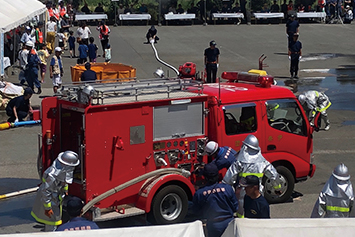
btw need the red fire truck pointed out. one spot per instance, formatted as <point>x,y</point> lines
<point>139,142</point>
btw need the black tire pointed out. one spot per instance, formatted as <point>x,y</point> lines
<point>287,186</point>
<point>169,206</point>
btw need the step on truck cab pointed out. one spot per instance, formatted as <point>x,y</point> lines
<point>139,142</point>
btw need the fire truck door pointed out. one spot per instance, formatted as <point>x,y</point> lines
<point>286,129</point>
<point>240,120</point>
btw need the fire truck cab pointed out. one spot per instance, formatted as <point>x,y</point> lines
<point>139,142</point>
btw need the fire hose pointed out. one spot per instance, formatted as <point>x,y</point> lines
<point>161,61</point>
<point>120,187</point>
<point>7,125</point>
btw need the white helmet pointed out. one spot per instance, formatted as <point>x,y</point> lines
<point>211,147</point>
<point>302,98</point>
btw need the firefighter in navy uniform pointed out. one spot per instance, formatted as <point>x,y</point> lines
<point>47,208</point>
<point>211,62</point>
<point>216,202</point>
<point>224,157</point>
<point>337,196</point>
<point>250,161</point>
<point>294,55</point>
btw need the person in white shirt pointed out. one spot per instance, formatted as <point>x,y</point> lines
<point>51,31</point>
<point>83,33</point>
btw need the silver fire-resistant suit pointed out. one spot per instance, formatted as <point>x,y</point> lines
<point>316,102</point>
<point>250,162</point>
<point>337,196</point>
<point>53,189</point>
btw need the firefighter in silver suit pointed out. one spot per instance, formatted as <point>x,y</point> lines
<point>47,208</point>
<point>314,101</point>
<point>337,196</point>
<point>250,162</point>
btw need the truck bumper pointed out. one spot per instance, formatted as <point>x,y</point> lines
<point>312,169</point>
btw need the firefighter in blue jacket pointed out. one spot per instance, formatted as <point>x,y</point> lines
<point>216,202</point>
<point>224,157</point>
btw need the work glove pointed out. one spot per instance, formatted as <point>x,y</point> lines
<point>217,65</point>
<point>16,120</point>
<point>289,57</point>
<point>300,57</point>
<point>48,213</point>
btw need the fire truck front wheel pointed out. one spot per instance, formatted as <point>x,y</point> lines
<point>287,183</point>
<point>169,206</point>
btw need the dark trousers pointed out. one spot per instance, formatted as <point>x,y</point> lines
<point>82,60</point>
<point>32,78</point>
<point>294,65</point>
<point>20,114</point>
<point>104,43</point>
<point>211,70</point>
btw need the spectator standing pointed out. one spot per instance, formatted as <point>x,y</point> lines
<point>284,9</point>
<point>83,32</point>
<point>180,10</point>
<point>294,55</point>
<point>108,53</point>
<point>104,33</point>
<point>216,202</point>
<point>71,42</point>
<point>237,9</point>
<point>64,24</point>
<point>211,62</point>
<point>120,10</point>
<point>85,9</point>
<point>61,38</point>
<point>43,56</point>
<point>336,199</point>
<point>51,31</point>
<point>22,57</point>
<point>291,27</point>
<point>275,7</point>
<point>74,209</point>
<point>62,9</point>
<point>56,69</point>
<point>47,208</point>
<point>26,36</point>
<point>31,72</point>
<point>290,6</point>
<point>83,52</point>
<point>255,205</point>
<point>19,107</point>
<point>39,35</point>
<point>92,50</point>
<point>88,74</point>
<point>99,8</point>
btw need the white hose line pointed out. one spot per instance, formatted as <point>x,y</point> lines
<point>17,193</point>
<point>161,61</point>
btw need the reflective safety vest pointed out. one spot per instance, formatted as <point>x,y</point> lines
<point>62,11</point>
<point>39,36</point>
<point>103,32</point>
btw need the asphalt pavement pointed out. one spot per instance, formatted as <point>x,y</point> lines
<point>325,48</point>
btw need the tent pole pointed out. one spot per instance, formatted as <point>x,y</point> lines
<point>2,72</point>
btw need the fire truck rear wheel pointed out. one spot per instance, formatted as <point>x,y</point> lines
<point>169,206</point>
<point>287,185</point>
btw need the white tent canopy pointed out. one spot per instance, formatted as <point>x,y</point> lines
<point>16,12</point>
